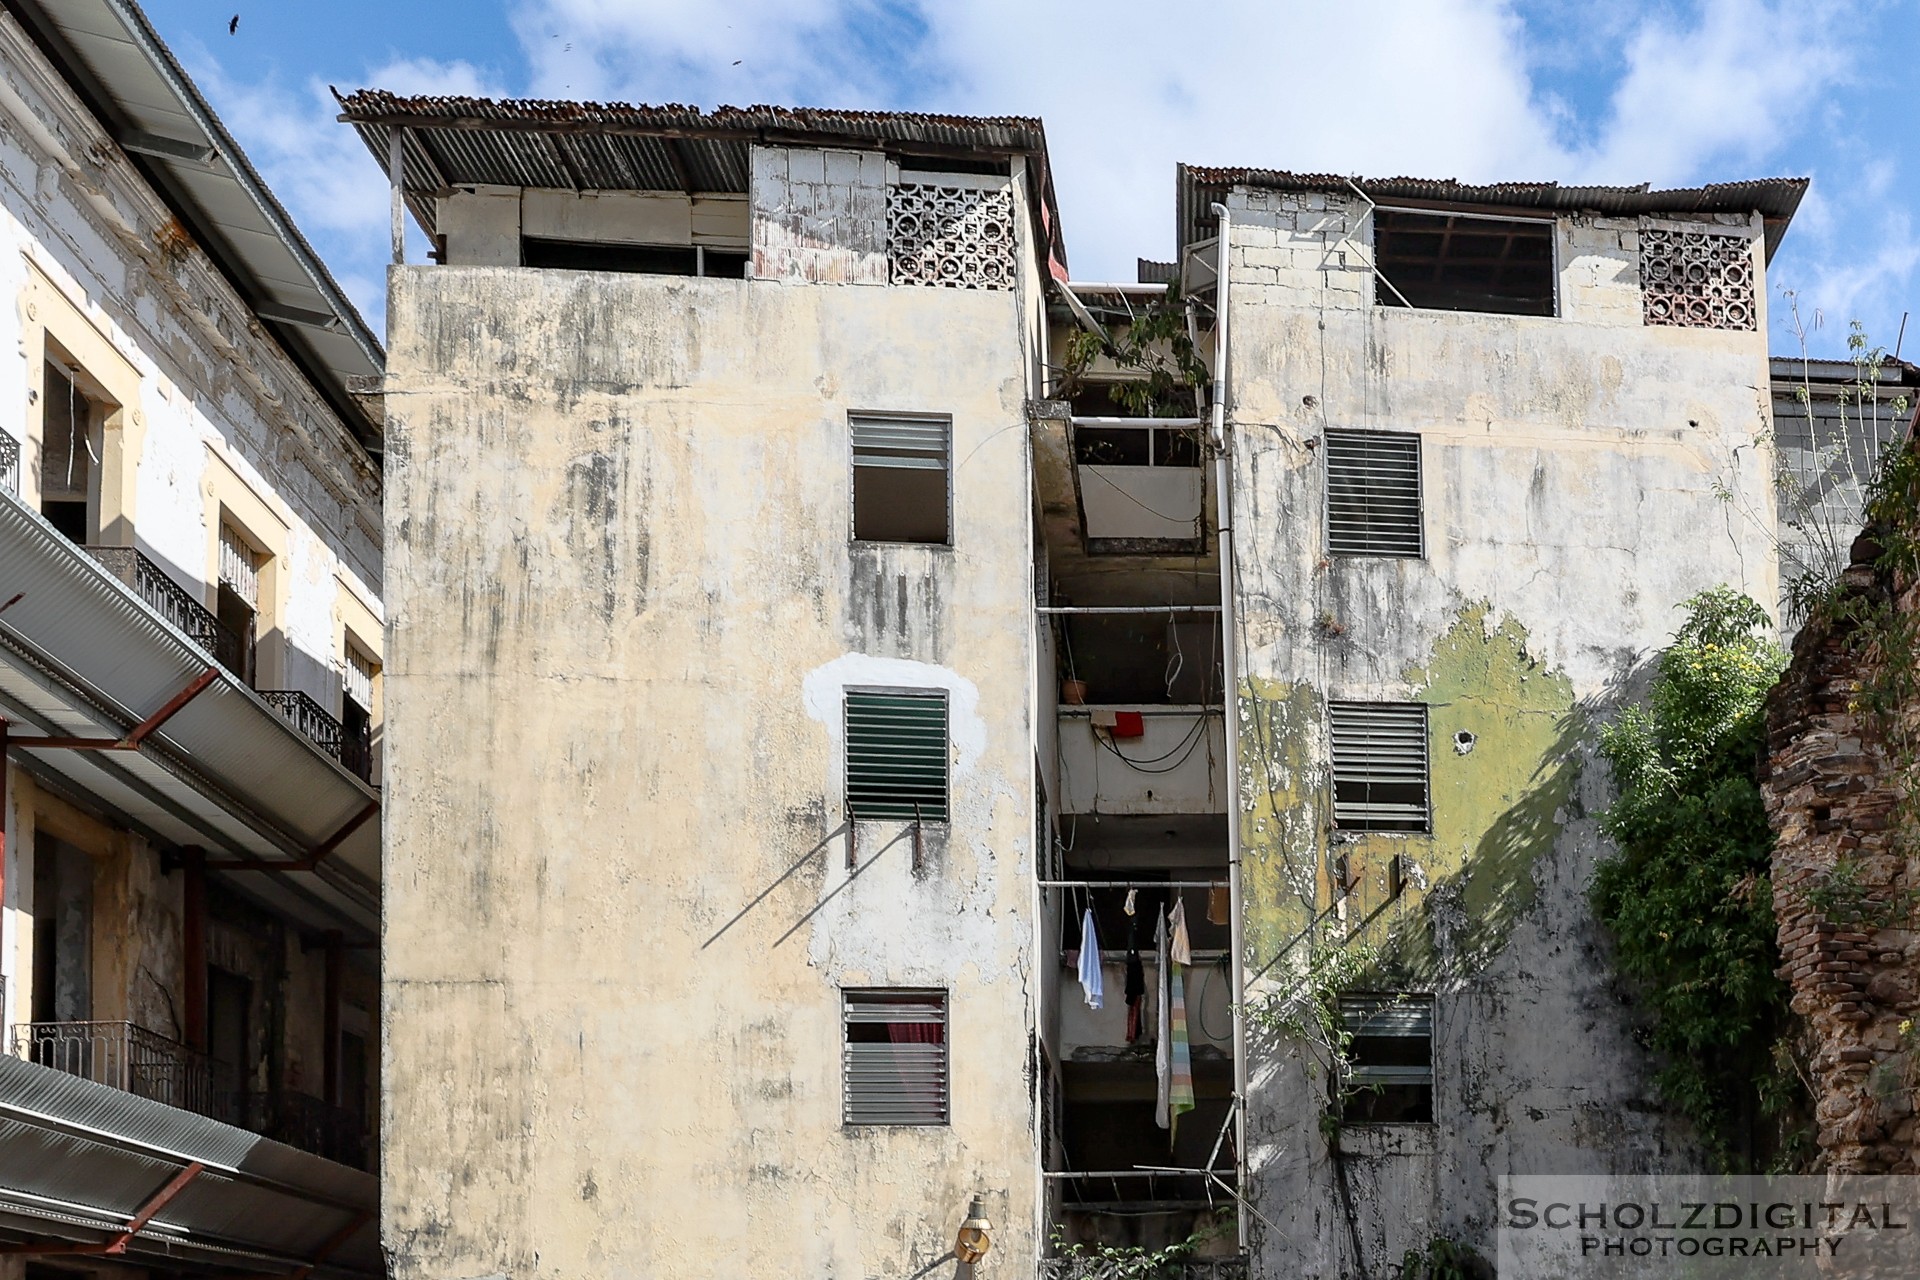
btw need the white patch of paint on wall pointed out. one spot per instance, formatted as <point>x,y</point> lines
<point>823,693</point>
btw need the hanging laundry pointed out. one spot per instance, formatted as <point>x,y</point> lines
<point>1128,907</point>
<point>1180,1086</point>
<point>1129,724</point>
<point>1219,905</point>
<point>1179,947</point>
<point>1163,1028</point>
<point>1090,961</point>
<point>1103,717</point>
<point>1136,991</point>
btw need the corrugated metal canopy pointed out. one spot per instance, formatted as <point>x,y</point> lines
<point>79,1160</point>
<point>592,146</point>
<point>112,57</point>
<point>82,655</point>
<point>1775,199</point>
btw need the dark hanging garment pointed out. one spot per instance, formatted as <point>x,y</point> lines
<point>1136,989</point>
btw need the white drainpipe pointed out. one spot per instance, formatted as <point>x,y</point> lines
<point>1230,714</point>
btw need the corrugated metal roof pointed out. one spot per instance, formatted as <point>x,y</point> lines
<point>112,57</point>
<point>78,1160</point>
<point>1775,199</point>
<point>593,146</point>
<point>81,655</point>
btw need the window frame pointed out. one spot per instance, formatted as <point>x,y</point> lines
<point>1423,1007</point>
<point>1383,284</point>
<point>945,422</point>
<point>945,698</point>
<point>1349,434</point>
<point>849,1119</point>
<point>1425,826</point>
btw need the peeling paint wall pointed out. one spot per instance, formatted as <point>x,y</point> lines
<point>620,912</point>
<point>1582,476</point>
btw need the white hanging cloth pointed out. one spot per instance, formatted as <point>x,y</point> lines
<point>1090,961</point>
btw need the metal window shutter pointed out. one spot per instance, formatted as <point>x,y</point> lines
<point>1373,494</point>
<point>1379,744</point>
<point>900,442</point>
<point>897,756</point>
<point>887,1083</point>
<point>239,566</point>
<point>1398,1016</point>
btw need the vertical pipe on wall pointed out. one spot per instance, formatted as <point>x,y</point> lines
<point>193,943</point>
<point>6,799</point>
<point>1230,710</point>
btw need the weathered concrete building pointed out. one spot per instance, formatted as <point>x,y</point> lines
<point>812,619</point>
<point>190,639</point>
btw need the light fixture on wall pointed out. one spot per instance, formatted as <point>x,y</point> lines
<point>973,1241</point>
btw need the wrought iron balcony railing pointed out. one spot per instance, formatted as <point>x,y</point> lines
<point>124,1056</point>
<point>306,715</point>
<point>151,584</point>
<point>301,1120</point>
<point>9,463</point>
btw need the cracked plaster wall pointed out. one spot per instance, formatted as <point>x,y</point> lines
<point>619,908</point>
<point>1573,473</point>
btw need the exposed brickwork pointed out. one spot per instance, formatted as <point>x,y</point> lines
<point>1830,796</point>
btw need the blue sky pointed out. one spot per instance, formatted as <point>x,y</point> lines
<point>1672,92</point>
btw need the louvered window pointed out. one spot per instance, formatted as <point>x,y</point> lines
<point>900,477</point>
<point>237,607</point>
<point>897,755</point>
<point>895,1065</point>
<point>1389,1071</point>
<point>1379,765</point>
<point>1373,494</point>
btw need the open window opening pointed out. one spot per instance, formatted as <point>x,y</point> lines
<point>632,259</point>
<point>70,451</point>
<point>1389,1071</point>
<point>1155,446</point>
<point>1380,770</point>
<point>237,609</point>
<point>1455,262</point>
<point>1142,658</point>
<point>901,479</point>
<point>894,1064</point>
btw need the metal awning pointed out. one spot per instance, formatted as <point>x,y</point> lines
<point>88,1169</point>
<point>112,57</point>
<point>83,656</point>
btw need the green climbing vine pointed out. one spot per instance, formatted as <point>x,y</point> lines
<point>1306,1010</point>
<point>1127,1262</point>
<point>1688,897</point>
<point>1443,1259</point>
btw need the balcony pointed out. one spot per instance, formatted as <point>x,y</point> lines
<point>306,715</point>
<point>1177,764</point>
<point>124,1056</point>
<point>132,1059</point>
<point>1132,1267</point>
<point>9,463</point>
<point>168,597</point>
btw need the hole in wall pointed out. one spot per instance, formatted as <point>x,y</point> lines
<point>1463,742</point>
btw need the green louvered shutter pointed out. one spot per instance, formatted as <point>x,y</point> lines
<point>897,755</point>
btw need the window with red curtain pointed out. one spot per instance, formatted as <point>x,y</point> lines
<point>895,1063</point>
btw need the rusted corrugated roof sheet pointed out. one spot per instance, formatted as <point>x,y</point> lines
<point>1775,199</point>
<point>593,146</point>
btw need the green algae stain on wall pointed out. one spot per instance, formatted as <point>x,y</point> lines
<point>1283,810</point>
<point>1498,800</point>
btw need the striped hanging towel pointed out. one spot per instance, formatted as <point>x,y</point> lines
<point>1180,1091</point>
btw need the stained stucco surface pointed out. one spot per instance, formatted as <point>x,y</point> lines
<point>619,907</point>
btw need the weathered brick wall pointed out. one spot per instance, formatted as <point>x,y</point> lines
<point>1830,796</point>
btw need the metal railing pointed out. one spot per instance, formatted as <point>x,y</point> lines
<point>300,1120</point>
<point>171,600</point>
<point>306,715</point>
<point>1129,1268</point>
<point>124,1056</point>
<point>9,463</point>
